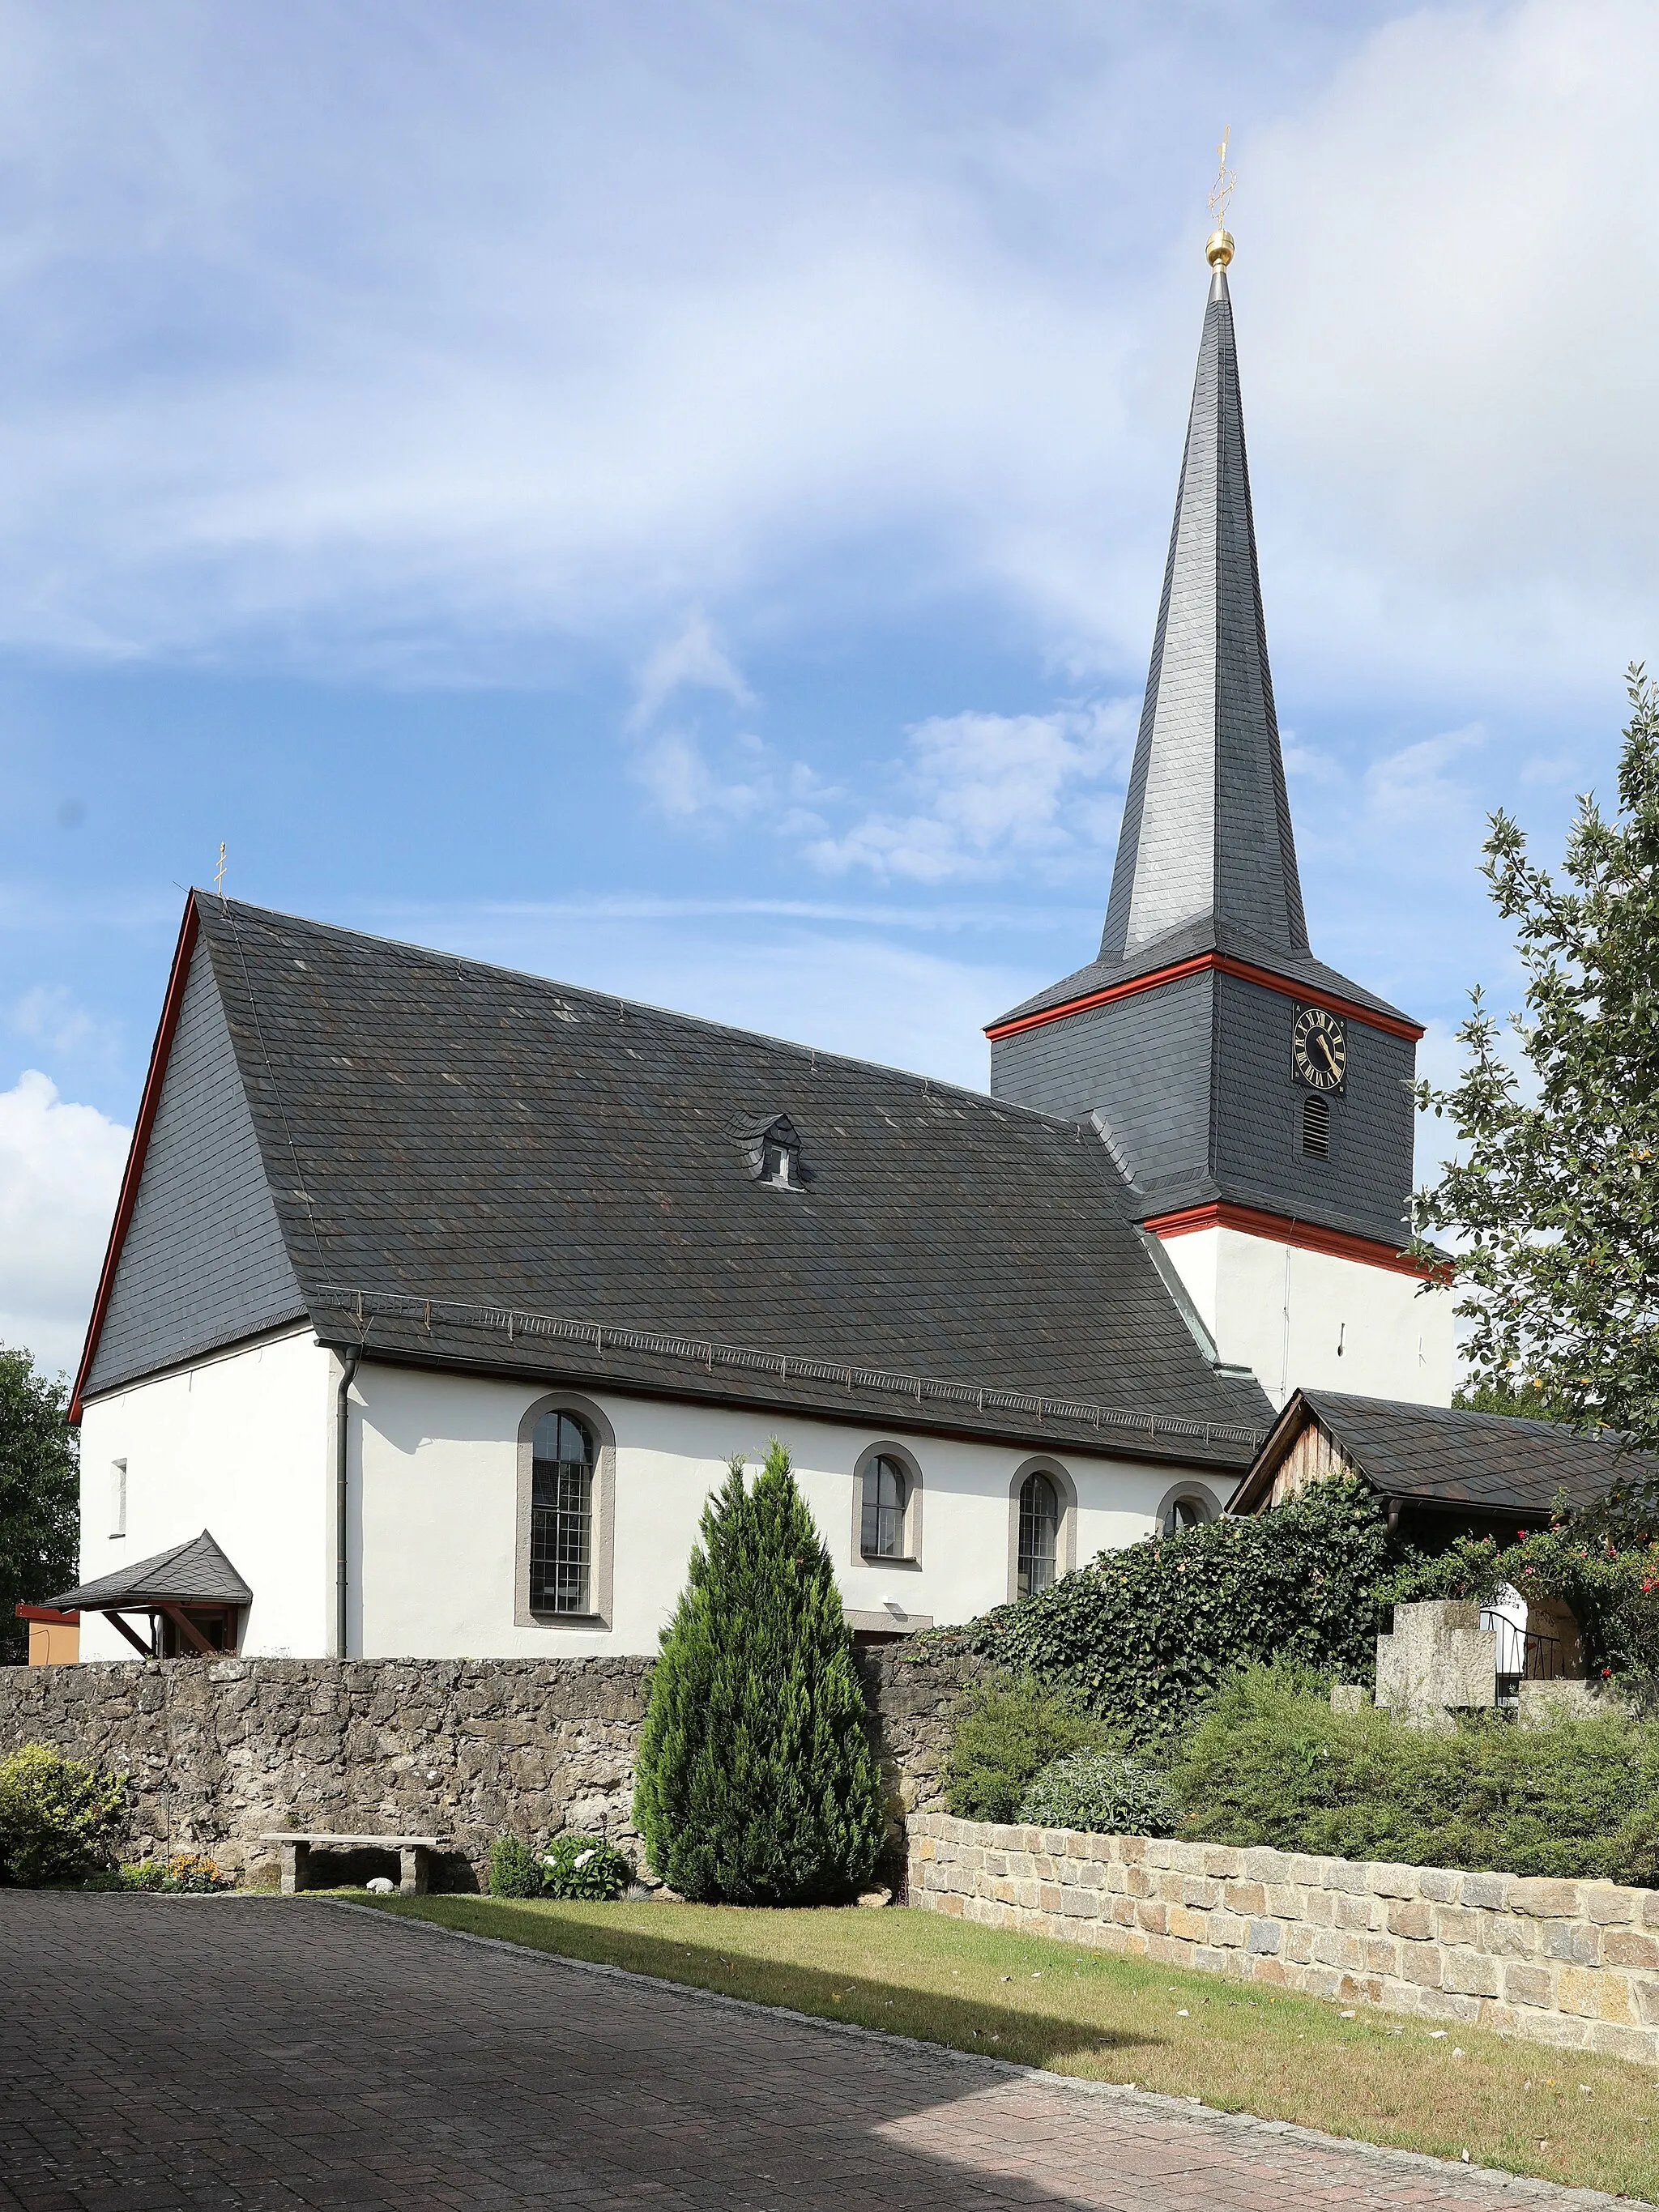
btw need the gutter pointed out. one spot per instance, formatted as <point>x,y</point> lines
<point>349,1360</point>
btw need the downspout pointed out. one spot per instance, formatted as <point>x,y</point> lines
<point>342,1445</point>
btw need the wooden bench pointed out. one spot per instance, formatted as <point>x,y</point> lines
<point>414,1859</point>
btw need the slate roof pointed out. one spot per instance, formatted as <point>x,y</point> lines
<point>1207,855</point>
<point>193,1573</point>
<point>1209,934</point>
<point>1437,1455</point>
<point>475,1167</point>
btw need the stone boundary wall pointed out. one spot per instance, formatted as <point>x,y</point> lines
<point>1570,1963</point>
<point>219,1752</point>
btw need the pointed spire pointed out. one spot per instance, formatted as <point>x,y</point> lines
<point>1207,848</point>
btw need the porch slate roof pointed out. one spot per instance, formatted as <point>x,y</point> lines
<point>1441,1456</point>
<point>196,1572</point>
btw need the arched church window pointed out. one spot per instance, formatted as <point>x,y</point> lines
<point>1187,1510</point>
<point>1039,1534</point>
<point>561,1516</point>
<point>1316,1127</point>
<point>886,1500</point>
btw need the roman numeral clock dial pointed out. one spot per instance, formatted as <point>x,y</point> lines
<point>1318,1048</point>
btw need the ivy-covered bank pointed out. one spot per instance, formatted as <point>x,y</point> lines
<point>1144,1635</point>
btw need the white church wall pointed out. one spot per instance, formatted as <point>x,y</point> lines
<point>434,1495</point>
<point>240,1444</point>
<point>1311,1321</point>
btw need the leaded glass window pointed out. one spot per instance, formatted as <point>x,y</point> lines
<point>886,1496</point>
<point>561,1516</point>
<point>1039,1534</point>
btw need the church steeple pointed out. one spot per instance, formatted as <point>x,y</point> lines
<point>1206,851</point>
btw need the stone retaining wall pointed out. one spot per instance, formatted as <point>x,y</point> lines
<point>1570,1963</point>
<point>219,1752</point>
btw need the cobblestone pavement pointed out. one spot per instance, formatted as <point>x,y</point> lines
<point>158,2052</point>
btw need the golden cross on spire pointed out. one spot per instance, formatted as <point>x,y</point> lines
<point>1218,250</point>
<point>219,872</point>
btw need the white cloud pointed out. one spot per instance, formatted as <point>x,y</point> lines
<point>690,656</point>
<point>52,1015</point>
<point>60,1173</point>
<point>1411,788</point>
<point>995,790</point>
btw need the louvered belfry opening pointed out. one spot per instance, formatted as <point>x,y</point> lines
<point>1316,1127</point>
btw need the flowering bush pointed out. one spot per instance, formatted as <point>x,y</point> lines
<point>185,1873</point>
<point>1610,1589</point>
<point>584,1866</point>
<point>58,1817</point>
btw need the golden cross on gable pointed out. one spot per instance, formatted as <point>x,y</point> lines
<point>219,872</point>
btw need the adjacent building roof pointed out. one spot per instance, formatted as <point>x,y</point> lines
<point>449,1162</point>
<point>193,1573</point>
<point>1439,1456</point>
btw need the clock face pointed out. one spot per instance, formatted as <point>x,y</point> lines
<point>1318,1048</point>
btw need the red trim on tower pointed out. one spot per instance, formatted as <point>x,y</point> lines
<point>146,1122</point>
<point>1223,963</point>
<point>1281,1229</point>
<point>45,1613</point>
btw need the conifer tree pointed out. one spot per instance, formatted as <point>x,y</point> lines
<point>757,1784</point>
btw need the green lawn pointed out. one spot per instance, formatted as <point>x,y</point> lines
<point>1590,2121</point>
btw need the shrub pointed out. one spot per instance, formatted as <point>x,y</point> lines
<point>1107,1792</point>
<point>1146,1634</point>
<point>584,1866</point>
<point>1005,1734</point>
<point>58,1817</point>
<point>514,1869</point>
<point>1270,1763</point>
<point>757,1784</point>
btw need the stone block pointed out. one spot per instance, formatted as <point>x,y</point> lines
<point>1571,1941</point>
<point>1470,1973</point>
<point>1201,1891</point>
<point>1284,1900</point>
<point>1186,1922</point>
<point>1543,1899</point>
<point>1490,1892</point>
<point>1260,1863</point>
<point>1386,1880</point>
<point>1457,1923</point>
<point>1423,1964</point>
<point>1410,1918</point>
<point>1153,1917</point>
<point>1439,1661</point>
<point>1609,1905</point>
<point>1533,1986</point>
<point>1439,1884</point>
<point>1221,1862</point>
<point>1265,1939</point>
<point>1624,1947</point>
<point>1640,2046</point>
<point>1227,1931</point>
<point>1246,1897</point>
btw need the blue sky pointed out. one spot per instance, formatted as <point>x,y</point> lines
<point>675,496</point>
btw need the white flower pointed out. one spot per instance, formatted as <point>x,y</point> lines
<point>582,1857</point>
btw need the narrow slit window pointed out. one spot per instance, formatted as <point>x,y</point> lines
<point>1039,1534</point>
<point>886,1496</point>
<point>118,1498</point>
<point>561,1516</point>
<point>1316,1127</point>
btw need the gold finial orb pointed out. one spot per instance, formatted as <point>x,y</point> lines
<point>1219,248</point>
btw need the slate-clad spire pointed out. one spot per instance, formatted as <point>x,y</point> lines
<point>1207,835</point>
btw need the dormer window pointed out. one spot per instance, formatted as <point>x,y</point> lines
<point>772,1152</point>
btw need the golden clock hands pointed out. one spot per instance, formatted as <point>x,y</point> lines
<point>1321,1040</point>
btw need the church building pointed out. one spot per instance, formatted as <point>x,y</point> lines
<point>438,1295</point>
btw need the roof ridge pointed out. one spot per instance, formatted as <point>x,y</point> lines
<point>645,1007</point>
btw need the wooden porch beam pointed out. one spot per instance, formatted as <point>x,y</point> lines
<point>187,1628</point>
<point>131,1635</point>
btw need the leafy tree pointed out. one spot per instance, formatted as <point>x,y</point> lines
<point>1144,1635</point>
<point>1556,1199</point>
<point>1524,1397</point>
<point>757,1784</point>
<point>39,1494</point>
